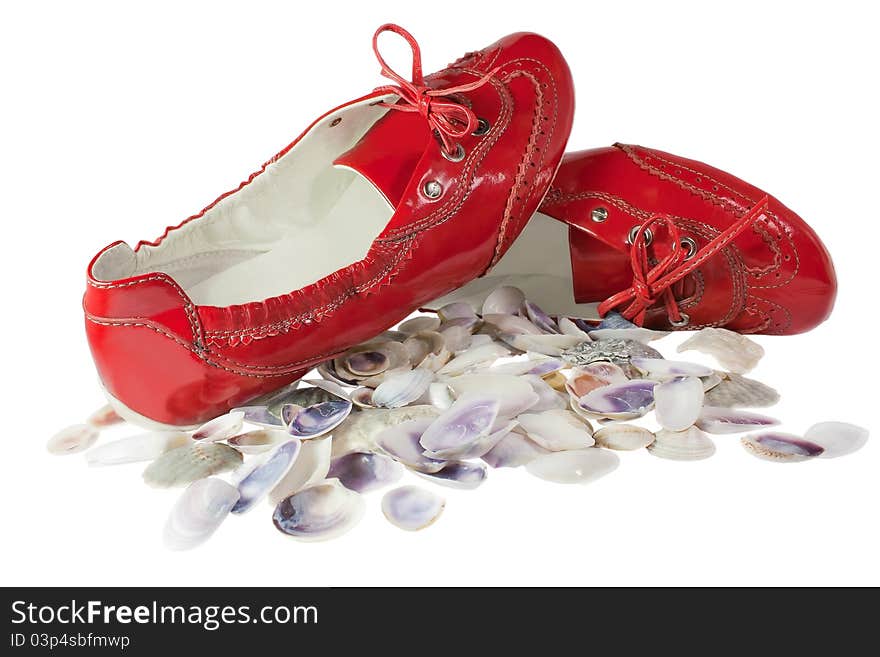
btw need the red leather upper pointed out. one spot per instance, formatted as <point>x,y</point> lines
<point>775,277</point>
<point>178,363</point>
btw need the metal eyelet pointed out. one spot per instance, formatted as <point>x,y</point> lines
<point>335,122</point>
<point>684,321</point>
<point>649,236</point>
<point>599,215</point>
<point>456,156</point>
<point>483,127</point>
<point>690,245</point>
<point>432,189</point>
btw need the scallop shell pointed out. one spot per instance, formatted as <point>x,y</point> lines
<point>780,447</point>
<point>319,512</point>
<point>688,445</point>
<point>190,463</point>
<point>262,476</point>
<point>310,467</point>
<point>837,438</point>
<point>143,447</point>
<point>678,402</point>
<point>365,471</point>
<point>735,391</point>
<point>412,508</point>
<point>199,511</point>
<point>580,466</point>
<point>624,437</point>
<point>458,474</point>
<point>557,430</point>
<point>220,428</point>
<point>733,351</point>
<point>728,420</point>
<point>514,450</point>
<point>73,439</point>
<point>503,300</point>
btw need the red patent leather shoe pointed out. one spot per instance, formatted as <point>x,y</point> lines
<point>669,243</point>
<point>382,204</point>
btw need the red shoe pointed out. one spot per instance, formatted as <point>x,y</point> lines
<point>711,250</point>
<point>361,220</point>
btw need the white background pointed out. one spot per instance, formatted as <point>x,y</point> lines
<point>117,121</point>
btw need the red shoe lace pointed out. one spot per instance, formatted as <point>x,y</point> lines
<point>450,120</point>
<point>651,284</point>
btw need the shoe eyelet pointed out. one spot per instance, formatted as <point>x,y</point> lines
<point>432,189</point>
<point>455,156</point>
<point>335,122</point>
<point>649,236</point>
<point>483,126</point>
<point>684,321</point>
<point>690,245</point>
<point>599,215</point>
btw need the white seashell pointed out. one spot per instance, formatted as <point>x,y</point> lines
<point>311,466</point>
<point>541,319</point>
<point>362,397</point>
<point>568,327</point>
<point>328,386</point>
<point>586,378</point>
<point>678,402</point>
<point>412,508</point>
<point>459,429</point>
<point>190,463</point>
<point>642,335</point>
<point>580,466</point>
<point>480,339</point>
<point>688,445</point>
<point>143,447</point>
<point>319,512</point>
<point>458,474</point>
<point>733,351</point>
<point>780,447</point>
<point>624,437</point>
<point>546,343</point>
<point>105,416</point>
<point>456,310</point>
<point>511,324</point>
<point>73,439</point>
<point>548,398</point>
<point>733,391</point>
<point>401,442</point>
<point>620,401</point>
<point>259,415</point>
<point>837,438</point>
<point>319,419</point>
<point>419,324</point>
<point>660,368</point>
<point>728,420</point>
<point>473,358</point>
<point>199,511</point>
<point>556,430</point>
<point>402,389</point>
<point>258,478</point>
<point>440,395</point>
<point>503,300</point>
<point>220,428</point>
<point>427,350</point>
<point>514,450</point>
<point>359,432</point>
<point>514,394</point>
<point>457,338</point>
<point>257,442</point>
<point>365,471</point>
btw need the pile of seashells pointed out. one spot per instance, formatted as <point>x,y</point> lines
<point>446,397</point>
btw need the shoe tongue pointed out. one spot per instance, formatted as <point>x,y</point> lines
<point>388,153</point>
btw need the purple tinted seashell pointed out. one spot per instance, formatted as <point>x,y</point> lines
<point>319,512</point>
<point>458,474</point>
<point>780,447</point>
<point>220,428</point>
<point>367,363</point>
<point>540,319</point>
<point>401,442</point>
<point>729,420</point>
<point>365,471</point>
<point>470,418</point>
<point>613,320</point>
<point>621,400</point>
<point>265,475</point>
<point>259,415</point>
<point>319,419</point>
<point>412,508</point>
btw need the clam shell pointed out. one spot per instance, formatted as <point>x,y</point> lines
<point>580,466</point>
<point>568,327</point>
<point>73,439</point>
<point>257,442</point>
<point>512,451</point>
<point>458,474</point>
<point>503,300</point>
<point>456,310</point>
<point>362,397</point>
<point>728,420</point>
<point>401,442</point>
<point>220,428</point>
<point>549,344</point>
<point>456,338</point>
<point>460,428</point>
<point>311,466</point>
<point>473,358</point>
<point>259,478</point>
<point>541,319</point>
<point>837,438</point>
<point>733,351</point>
<point>510,324</point>
<point>419,324</point>
<point>514,394</point>
<point>678,402</point>
<point>427,350</point>
<point>622,401</point>
<point>623,437</point>
<point>365,471</point>
<point>540,366</point>
<point>197,514</point>
<point>688,445</point>
<point>190,463</point>
<point>360,431</point>
<point>105,416</point>
<point>557,430</point>
<point>259,415</point>
<point>412,508</point>
<point>440,395</point>
<point>595,375</point>
<point>548,398</point>
<point>143,447</point>
<point>402,389</point>
<point>735,391</point>
<point>780,447</point>
<point>314,421</point>
<point>319,512</point>
<point>660,368</point>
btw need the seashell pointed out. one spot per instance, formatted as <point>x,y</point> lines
<point>456,338</point>
<point>623,437</point>
<point>711,381</point>
<point>728,420</point>
<point>278,399</point>
<point>511,324</point>
<point>503,300</point>
<point>548,398</point>
<point>620,401</point>
<point>365,471</point>
<point>579,466</point>
<point>540,319</point>
<point>540,365</point>
<point>456,310</point>
<point>289,411</point>
<point>481,445</point>
<point>513,450</point>
<point>105,416</point>
<point>514,394</point>
<point>678,402</point>
<point>660,368</point>
<point>458,474</point>
<point>143,447</point>
<point>427,350</point>
<point>481,339</point>
<point>319,512</point>
<point>733,351</point>
<point>360,431</point>
<point>458,429</point>
<point>258,478</point>
<point>470,324</point>
<point>587,378</point>
<point>568,327</point>
<point>735,391</point>
<point>259,415</point>
<point>401,442</point>
<point>391,336</point>
<point>419,324</point>
<point>412,508</point>
<point>545,343</point>
<point>780,447</point>
<point>257,442</point>
<point>197,514</point>
<point>402,389</point>
<point>837,438</point>
<point>473,358</point>
<point>367,364</point>
<point>311,466</point>
<point>220,428</point>
<point>617,350</point>
<point>362,397</point>
<point>614,320</point>
<point>311,396</point>
<point>557,430</point>
<point>314,421</point>
<point>440,395</point>
<point>688,445</point>
<point>190,463</point>
<point>73,439</point>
